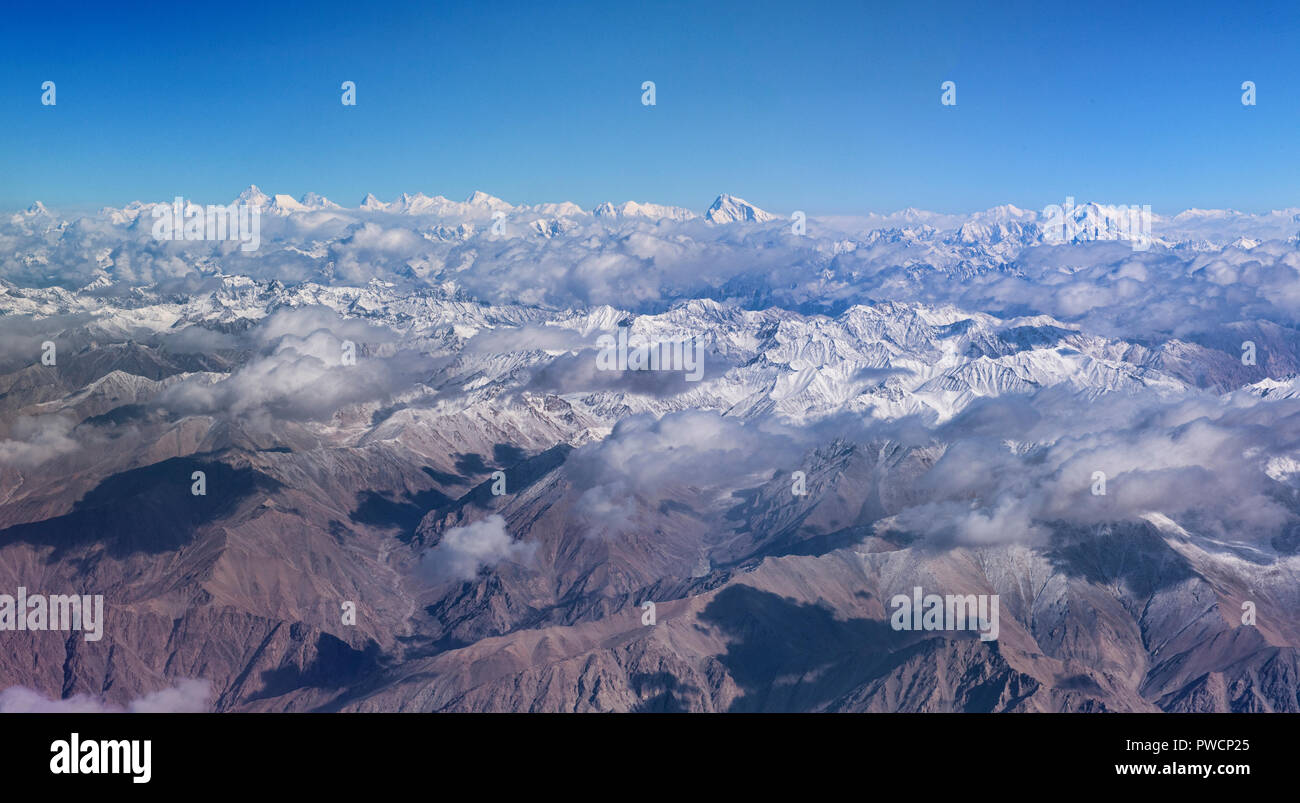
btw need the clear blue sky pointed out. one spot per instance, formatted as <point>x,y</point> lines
<point>826,107</point>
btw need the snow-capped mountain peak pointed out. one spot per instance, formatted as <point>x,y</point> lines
<point>286,204</point>
<point>254,197</point>
<point>314,200</point>
<point>482,199</point>
<point>730,209</point>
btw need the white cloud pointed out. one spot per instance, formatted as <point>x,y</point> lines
<point>463,551</point>
<point>187,696</point>
<point>36,440</point>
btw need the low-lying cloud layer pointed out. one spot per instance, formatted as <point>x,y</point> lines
<point>186,697</point>
<point>1205,271</point>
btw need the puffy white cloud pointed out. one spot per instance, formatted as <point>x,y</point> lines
<point>647,458</point>
<point>311,363</point>
<point>187,696</point>
<point>464,551</point>
<point>1202,459</point>
<point>35,440</point>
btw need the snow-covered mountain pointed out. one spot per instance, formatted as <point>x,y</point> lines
<point>253,197</point>
<point>730,209</point>
<point>634,209</point>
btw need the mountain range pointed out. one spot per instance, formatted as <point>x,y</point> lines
<point>423,491</point>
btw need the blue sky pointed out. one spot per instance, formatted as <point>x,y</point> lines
<point>832,108</point>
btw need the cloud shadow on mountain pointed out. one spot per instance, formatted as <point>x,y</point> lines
<point>334,664</point>
<point>148,510</point>
<point>790,656</point>
<point>1129,552</point>
<point>667,693</point>
<point>376,509</point>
